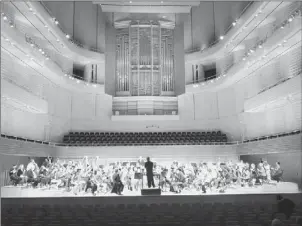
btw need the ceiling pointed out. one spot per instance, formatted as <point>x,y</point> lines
<point>151,6</point>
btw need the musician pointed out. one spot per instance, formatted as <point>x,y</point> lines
<point>277,172</point>
<point>118,186</point>
<point>91,184</point>
<point>149,169</point>
<point>13,175</point>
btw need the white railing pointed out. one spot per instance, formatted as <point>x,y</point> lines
<point>295,13</point>
<point>260,138</point>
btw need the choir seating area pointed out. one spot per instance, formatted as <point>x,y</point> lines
<point>143,138</point>
<point>164,214</point>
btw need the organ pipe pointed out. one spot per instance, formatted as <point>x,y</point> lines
<point>152,46</point>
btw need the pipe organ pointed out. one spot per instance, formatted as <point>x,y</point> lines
<point>144,58</point>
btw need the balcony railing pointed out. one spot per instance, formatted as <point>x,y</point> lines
<point>296,13</point>
<point>261,138</point>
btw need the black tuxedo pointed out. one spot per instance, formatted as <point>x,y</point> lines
<point>149,169</point>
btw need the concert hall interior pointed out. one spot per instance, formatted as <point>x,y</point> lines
<point>171,112</point>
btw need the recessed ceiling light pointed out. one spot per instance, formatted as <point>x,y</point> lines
<point>130,2</point>
<point>162,2</point>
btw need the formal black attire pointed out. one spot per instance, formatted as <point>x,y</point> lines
<point>149,169</point>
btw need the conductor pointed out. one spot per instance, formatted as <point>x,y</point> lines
<point>149,169</point>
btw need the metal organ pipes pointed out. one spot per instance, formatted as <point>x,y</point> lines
<point>145,58</point>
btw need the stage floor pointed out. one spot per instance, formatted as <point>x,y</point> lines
<point>22,192</point>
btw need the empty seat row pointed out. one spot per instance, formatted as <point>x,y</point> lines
<point>177,138</point>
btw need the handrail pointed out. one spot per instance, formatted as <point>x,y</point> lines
<point>294,132</point>
<point>73,41</point>
<point>260,42</point>
<point>282,80</point>
<point>226,32</point>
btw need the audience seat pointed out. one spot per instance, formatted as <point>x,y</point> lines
<point>143,138</point>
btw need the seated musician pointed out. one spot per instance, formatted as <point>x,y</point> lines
<point>44,176</point>
<point>164,178</point>
<point>13,175</point>
<point>91,184</point>
<point>21,174</point>
<point>277,172</point>
<point>118,186</point>
<point>179,181</point>
<point>261,173</point>
<point>32,170</point>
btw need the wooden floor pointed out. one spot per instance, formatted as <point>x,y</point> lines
<point>20,192</point>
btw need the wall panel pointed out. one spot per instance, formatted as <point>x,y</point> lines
<point>206,106</point>
<point>83,106</point>
<point>85,23</point>
<point>226,102</point>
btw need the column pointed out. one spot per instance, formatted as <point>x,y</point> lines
<point>88,72</point>
<point>201,74</point>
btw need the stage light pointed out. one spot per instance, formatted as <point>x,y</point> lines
<point>32,44</point>
<point>212,81</point>
<point>43,52</point>
<point>221,37</point>
<point>47,58</point>
<point>164,16</point>
<point>58,40</point>
<point>65,75</point>
<point>4,17</point>
<point>7,39</point>
<point>285,41</point>
<point>130,2</point>
<point>282,27</point>
<point>45,26</point>
<point>78,81</point>
<point>40,50</point>
<point>252,50</point>
<point>11,25</point>
<point>67,36</point>
<point>290,19</point>
<point>224,75</point>
<point>162,2</point>
<point>243,59</point>
<point>94,85</point>
<point>56,22</point>
<point>234,23</point>
<point>260,46</point>
<point>34,12</point>
<point>30,9</point>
